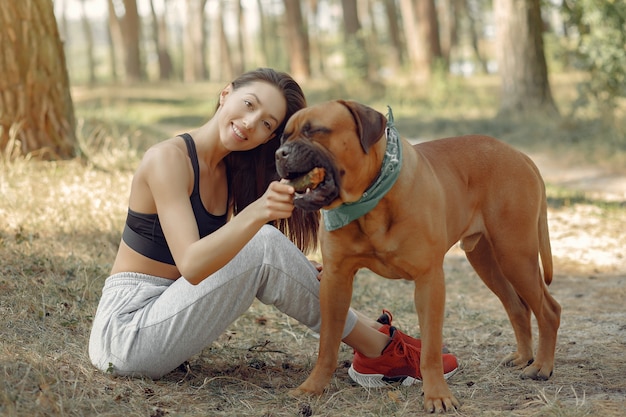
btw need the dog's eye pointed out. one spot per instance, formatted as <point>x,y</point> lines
<point>285,136</point>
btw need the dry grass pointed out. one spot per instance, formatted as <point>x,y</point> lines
<point>59,230</point>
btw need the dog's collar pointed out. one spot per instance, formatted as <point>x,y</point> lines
<point>390,170</point>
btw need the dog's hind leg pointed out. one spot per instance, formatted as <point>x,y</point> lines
<point>481,257</point>
<point>518,261</point>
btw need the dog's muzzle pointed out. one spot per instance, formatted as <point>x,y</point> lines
<point>310,170</point>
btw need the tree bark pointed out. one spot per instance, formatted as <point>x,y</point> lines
<point>91,61</point>
<point>397,47</point>
<point>241,35</point>
<point>521,60</point>
<point>355,51</point>
<point>416,49</point>
<point>36,110</point>
<point>131,32</point>
<point>116,40</point>
<point>159,37</point>
<point>263,35</point>
<point>227,68</point>
<point>194,58</point>
<point>297,41</point>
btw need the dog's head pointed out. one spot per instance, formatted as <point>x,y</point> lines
<point>325,153</point>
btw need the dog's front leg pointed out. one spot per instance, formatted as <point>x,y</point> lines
<point>335,298</point>
<point>430,298</point>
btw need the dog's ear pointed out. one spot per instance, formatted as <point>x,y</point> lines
<point>370,124</point>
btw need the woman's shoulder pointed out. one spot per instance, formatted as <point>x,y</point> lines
<point>165,160</point>
<point>168,151</point>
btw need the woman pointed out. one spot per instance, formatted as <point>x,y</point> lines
<point>200,244</point>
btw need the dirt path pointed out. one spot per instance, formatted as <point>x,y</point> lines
<point>595,182</point>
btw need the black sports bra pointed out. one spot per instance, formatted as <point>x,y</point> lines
<point>143,232</point>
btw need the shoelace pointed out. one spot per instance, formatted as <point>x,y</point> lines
<point>407,350</point>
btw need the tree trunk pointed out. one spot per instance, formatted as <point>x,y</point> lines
<point>316,39</point>
<point>521,60</point>
<point>473,32</point>
<point>397,57</point>
<point>159,36</point>
<point>116,42</point>
<point>131,32</point>
<point>448,23</point>
<point>416,49</point>
<point>193,42</point>
<point>297,41</point>
<point>263,35</point>
<point>36,110</point>
<point>355,52</point>
<point>91,62</point>
<point>241,35</point>
<point>227,68</point>
<point>428,27</point>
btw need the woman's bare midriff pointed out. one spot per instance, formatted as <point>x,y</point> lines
<point>127,260</point>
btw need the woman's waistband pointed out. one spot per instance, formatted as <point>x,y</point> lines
<point>131,279</point>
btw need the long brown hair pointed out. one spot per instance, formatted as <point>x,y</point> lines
<point>250,172</point>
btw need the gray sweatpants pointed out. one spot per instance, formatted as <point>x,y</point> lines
<point>147,326</point>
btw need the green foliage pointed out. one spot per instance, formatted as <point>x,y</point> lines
<point>601,48</point>
<point>356,57</point>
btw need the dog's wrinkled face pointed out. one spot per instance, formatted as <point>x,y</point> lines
<point>301,152</point>
<point>323,149</point>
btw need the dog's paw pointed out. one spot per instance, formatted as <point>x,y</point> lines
<point>536,372</point>
<point>298,393</point>
<point>516,360</point>
<point>441,405</point>
<point>304,391</point>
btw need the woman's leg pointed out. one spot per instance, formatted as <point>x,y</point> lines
<point>184,318</point>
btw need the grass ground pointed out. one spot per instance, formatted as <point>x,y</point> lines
<point>60,224</point>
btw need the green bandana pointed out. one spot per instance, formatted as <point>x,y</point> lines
<point>340,216</point>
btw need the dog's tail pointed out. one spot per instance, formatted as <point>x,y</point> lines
<point>545,250</point>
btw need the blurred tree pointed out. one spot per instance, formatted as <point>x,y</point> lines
<point>421,29</point>
<point>314,24</point>
<point>297,41</point>
<point>263,53</point>
<point>88,37</point>
<point>448,12</point>
<point>116,42</point>
<point>474,12</point>
<point>159,37</point>
<point>372,39</point>
<point>521,60</point>
<point>194,44</point>
<point>131,33</point>
<point>356,58</point>
<point>227,67</point>
<point>36,109</point>
<point>240,35</point>
<point>601,29</point>
<point>395,36</point>
<point>428,22</point>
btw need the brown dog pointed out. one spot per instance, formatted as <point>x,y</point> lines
<point>472,189</point>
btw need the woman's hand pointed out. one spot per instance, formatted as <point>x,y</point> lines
<point>276,202</point>
<point>317,265</point>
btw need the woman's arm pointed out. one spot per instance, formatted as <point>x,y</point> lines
<point>209,254</point>
<point>198,258</point>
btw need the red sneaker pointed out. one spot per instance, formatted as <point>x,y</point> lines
<point>399,362</point>
<point>386,319</point>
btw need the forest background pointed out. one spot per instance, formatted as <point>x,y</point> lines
<point>87,85</point>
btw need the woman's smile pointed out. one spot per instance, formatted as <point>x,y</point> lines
<point>238,133</point>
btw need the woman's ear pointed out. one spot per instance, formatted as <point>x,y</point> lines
<point>225,92</point>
